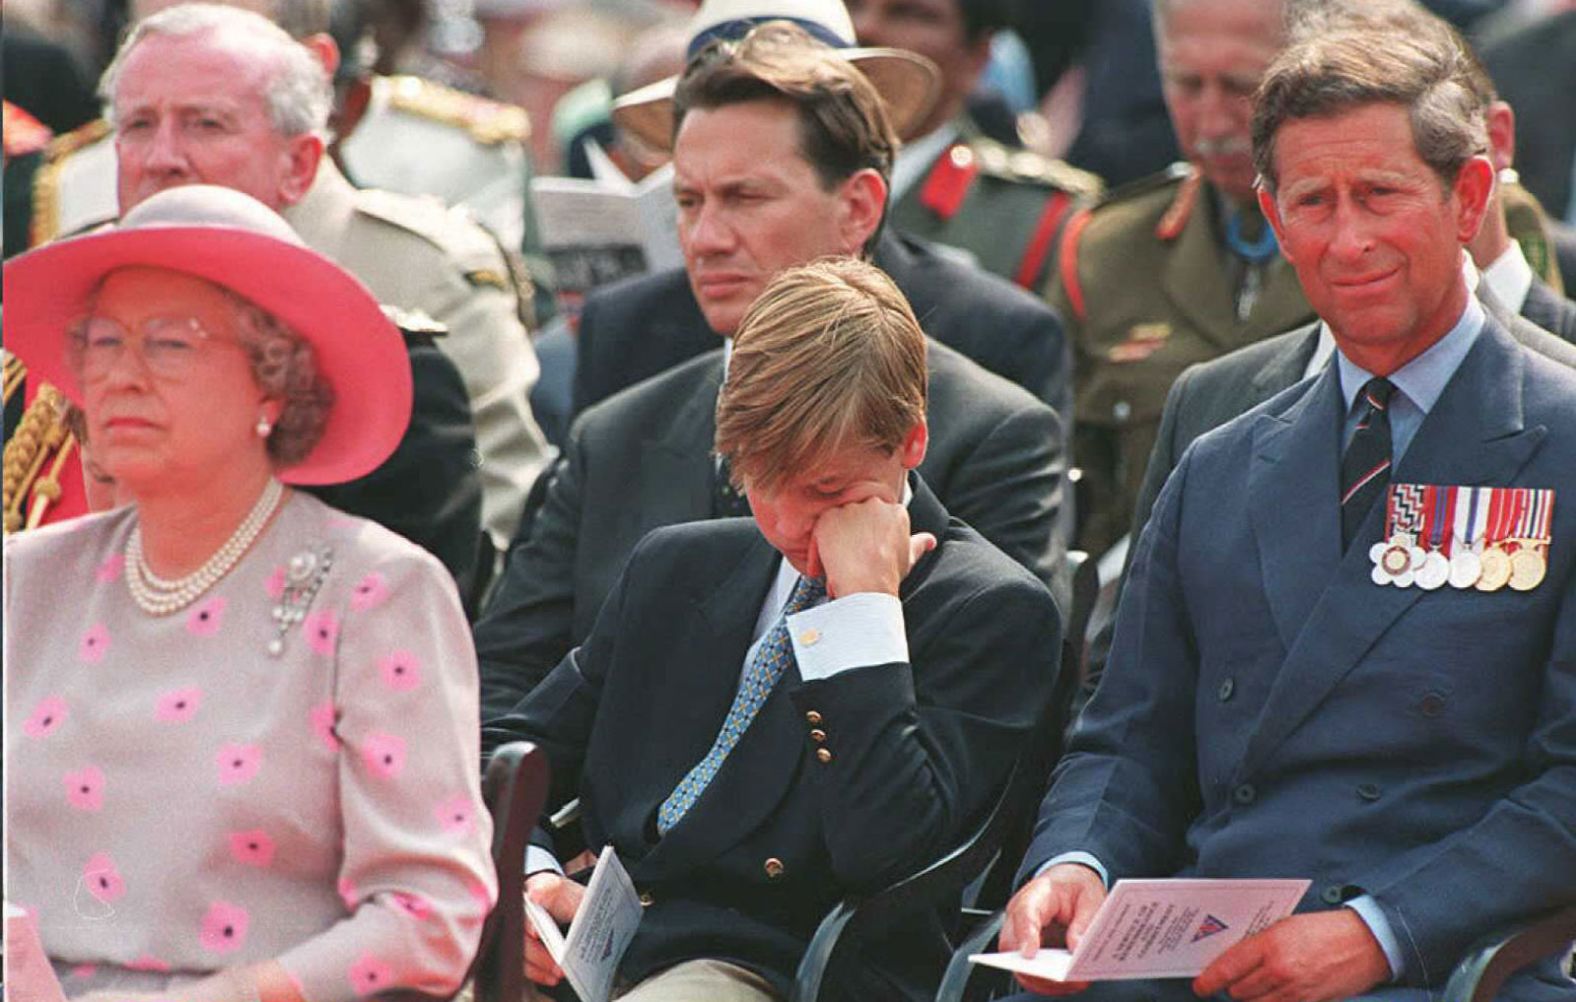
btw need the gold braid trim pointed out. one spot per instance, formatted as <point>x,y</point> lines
<point>40,432</point>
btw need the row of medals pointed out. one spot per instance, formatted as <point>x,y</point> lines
<point>1401,562</point>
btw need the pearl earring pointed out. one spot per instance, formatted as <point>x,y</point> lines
<point>263,427</point>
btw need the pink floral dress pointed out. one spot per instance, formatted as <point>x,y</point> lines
<point>285,769</point>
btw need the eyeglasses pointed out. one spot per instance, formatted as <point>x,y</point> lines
<point>170,345</point>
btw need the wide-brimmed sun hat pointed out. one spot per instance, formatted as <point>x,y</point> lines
<point>908,82</point>
<point>234,241</point>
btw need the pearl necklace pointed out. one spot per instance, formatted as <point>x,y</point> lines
<point>158,597</point>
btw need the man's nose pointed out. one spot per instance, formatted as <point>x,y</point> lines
<point>1220,114</point>
<point>1350,240</point>
<point>710,233</point>
<point>166,149</point>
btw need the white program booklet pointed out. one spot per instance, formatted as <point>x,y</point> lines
<point>1161,929</point>
<point>600,933</point>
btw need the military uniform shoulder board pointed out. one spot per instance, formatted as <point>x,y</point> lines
<point>1029,167</point>
<point>488,122</point>
<point>1180,175</point>
<point>472,248</point>
<point>23,134</point>
<point>91,199</point>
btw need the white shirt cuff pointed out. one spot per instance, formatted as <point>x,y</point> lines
<point>861,629</point>
<point>1369,911</point>
<point>538,859</point>
<point>1081,858</point>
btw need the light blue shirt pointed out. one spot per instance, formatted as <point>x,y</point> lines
<point>1418,383</point>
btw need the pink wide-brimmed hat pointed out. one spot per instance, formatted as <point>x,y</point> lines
<point>908,82</point>
<point>234,241</point>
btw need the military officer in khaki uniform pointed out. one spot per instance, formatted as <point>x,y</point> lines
<point>1003,208</point>
<point>1175,269</point>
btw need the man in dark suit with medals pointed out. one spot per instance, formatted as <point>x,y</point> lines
<point>1308,679</point>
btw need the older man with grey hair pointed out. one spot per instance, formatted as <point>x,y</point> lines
<point>217,94</point>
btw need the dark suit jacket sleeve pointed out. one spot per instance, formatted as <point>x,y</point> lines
<point>919,750</point>
<point>1011,488</point>
<point>1124,800</point>
<point>528,624</point>
<point>429,490</point>
<point>589,375</point>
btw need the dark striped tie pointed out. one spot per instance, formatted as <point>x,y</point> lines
<point>1365,467</point>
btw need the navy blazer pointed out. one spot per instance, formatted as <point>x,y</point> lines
<point>917,750</point>
<point>1269,711</point>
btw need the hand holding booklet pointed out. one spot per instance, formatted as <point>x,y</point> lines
<point>601,931</point>
<point>1161,929</point>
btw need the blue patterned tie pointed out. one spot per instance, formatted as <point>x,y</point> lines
<point>760,676</point>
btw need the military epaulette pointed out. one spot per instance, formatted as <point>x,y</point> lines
<point>23,134</point>
<point>1027,166</point>
<point>76,139</point>
<point>488,122</point>
<point>417,322</point>
<point>1174,174</point>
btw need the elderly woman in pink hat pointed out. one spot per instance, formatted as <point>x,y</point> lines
<point>240,726</point>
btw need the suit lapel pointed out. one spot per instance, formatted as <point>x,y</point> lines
<point>757,772</point>
<point>1293,484</point>
<point>1474,435</point>
<point>676,484</point>
<point>1286,368</point>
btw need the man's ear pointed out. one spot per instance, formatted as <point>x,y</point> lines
<point>302,157</point>
<point>1473,190</point>
<point>1271,211</point>
<point>1501,121</point>
<point>913,446</point>
<point>325,50</point>
<point>863,204</point>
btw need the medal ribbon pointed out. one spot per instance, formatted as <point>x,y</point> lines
<point>1440,527</point>
<point>1468,526</point>
<point>1497,507</point>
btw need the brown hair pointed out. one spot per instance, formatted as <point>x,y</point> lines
<point>829,356</point>
<point>1425,72</point>
<point>843,122</point>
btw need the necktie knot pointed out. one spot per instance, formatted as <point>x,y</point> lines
<point>1377,392</point>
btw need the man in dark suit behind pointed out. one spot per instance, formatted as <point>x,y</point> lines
<point>772,714</point>
<point>1282,700</point>
<point>745,175</point>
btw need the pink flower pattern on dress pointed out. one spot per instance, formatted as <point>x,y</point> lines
<point>84,970</point>
<point>322,631</point>
<point>369,974</point>
<point>369,593</point>
<point>275,584</point>
<point>384,754</point>
<point>480,893</point>
<point>400,670</point>
<point>410,904</point>
<point>103,880</point>
<point>147,962</point>
<point>254,848</point>
<point>85,788</point>
<point>238,763</point>
<point>179,706</point>
<point>95,643</point>
<point>223,928</point>
<point>347,892</point>
<point>322,720</point>
<point>109,571</point>
<point>46,717</point>
<point>204,619</point>
<point>456,814</point>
